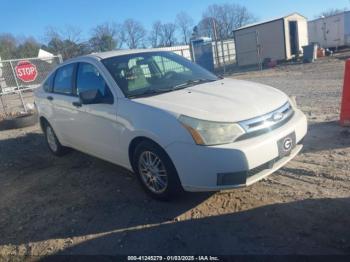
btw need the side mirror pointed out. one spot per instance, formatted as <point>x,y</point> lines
<point>88,96</point>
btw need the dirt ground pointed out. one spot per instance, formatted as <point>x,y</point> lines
<point>82,205</point>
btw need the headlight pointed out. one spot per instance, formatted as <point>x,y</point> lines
<point>211,133</point>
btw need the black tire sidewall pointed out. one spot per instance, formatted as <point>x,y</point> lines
<point>60,149</point>
<point>174,186</point>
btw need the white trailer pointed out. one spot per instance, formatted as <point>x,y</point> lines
<point>278,39</point>
<point>332,31</point>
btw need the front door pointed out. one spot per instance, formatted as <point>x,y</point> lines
<point>95,127</point>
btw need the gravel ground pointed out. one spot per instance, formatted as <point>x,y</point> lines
<point>81,205</point>
<point>11,104</point>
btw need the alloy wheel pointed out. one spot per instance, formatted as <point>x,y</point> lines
<point>51,139</point>
<point>153,172</point>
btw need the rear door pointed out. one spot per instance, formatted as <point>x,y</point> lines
<point>61,98</point>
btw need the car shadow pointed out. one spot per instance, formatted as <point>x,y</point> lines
<point>326,136</point>
<point>45,197</point>
<point>312,226</point>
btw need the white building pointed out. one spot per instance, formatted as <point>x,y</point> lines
<point>331,31</point>
<point>277,39</point>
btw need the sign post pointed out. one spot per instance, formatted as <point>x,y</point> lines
<point>18,89</point>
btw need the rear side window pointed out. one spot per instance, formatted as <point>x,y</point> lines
<point>48,83</point>
<point>63,80</point>
<point>89,78</point>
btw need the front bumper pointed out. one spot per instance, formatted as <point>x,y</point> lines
<point>242,163</point>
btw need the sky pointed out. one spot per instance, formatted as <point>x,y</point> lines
<point>25,18</point>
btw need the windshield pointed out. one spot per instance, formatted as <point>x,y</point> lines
<point>152,73</point>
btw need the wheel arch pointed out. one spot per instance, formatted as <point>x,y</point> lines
<point>136,141</point>
<point>43,121</point>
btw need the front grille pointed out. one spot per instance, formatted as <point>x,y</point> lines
<point>258,169</point>
<point>240,178</point>
<point>265,123</point>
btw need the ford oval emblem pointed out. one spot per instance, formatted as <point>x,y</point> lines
<point>277,116</point>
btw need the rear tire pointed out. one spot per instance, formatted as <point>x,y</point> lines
<point>52,142</point>
<point>156,172</point>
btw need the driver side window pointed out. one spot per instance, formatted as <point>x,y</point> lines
<point>89,78</point>
<point>166,65</point>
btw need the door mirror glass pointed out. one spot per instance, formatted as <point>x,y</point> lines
<point>90,82</point>
<point>89,96</point>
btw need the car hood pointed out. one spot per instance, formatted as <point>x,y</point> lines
<point>225,100</point>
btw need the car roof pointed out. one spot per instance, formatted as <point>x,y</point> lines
<point>103,55</point>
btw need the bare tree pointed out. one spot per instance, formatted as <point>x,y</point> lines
<point>72,33</point>
<point>134,33</point>
<point>330,12</point>
<point>155,34</point>
<point>228,17</point>
<point>205,28</point>
<point>185,25</point>
<point>106,37</point>
<point>69,32</point>
<point>66,42</point>
<point>168,34</point>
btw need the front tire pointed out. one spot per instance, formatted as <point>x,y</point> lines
<point>156,172</point>
<point>52,142</point>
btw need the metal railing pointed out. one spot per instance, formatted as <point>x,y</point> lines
<point>224,52</point>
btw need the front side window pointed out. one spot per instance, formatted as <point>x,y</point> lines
<point>150,73</point>
<point>63,80</point>
<point>48,83</point>
<point>89,78</point>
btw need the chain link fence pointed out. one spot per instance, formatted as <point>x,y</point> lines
<point>18,79</point>
<point>224,53</point>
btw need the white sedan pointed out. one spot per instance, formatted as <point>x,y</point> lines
<point>176,125</point>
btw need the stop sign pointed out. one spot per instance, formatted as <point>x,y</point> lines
<point>26,71</point>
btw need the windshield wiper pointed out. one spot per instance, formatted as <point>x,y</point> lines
<point>189,83</point>
<point>151,92</point>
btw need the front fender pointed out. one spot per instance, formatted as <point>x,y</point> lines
<point>139,120</point>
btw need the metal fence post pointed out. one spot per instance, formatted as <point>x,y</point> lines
<point>223,56</point>
<point>3,104</point>
<point>258,49</point>
<point>60,58</point>
<point>18,89</point>
<point>228,52</point>
<point>216,42</point>
<point>2,81</point>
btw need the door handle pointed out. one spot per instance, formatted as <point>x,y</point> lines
<point>77,104</point>
<point>50,98</point>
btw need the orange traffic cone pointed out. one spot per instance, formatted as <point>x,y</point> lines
<point>345,103</point>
